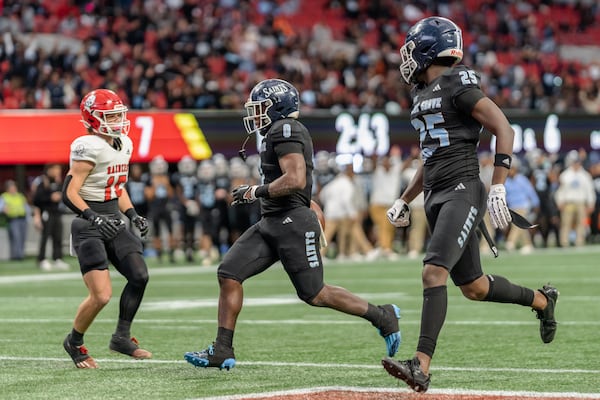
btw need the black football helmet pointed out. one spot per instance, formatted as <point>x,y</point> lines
<point>269,101</point>
<point>428,39</point>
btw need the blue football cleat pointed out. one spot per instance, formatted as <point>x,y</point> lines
<point>218,357</point>
<point>389,329</point>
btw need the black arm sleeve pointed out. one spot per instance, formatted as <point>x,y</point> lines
<point>66,199</point>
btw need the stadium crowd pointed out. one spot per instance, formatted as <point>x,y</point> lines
<point>339,53</point>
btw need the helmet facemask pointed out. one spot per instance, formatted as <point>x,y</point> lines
<point>408,65</point>
<point>112,123</point>
<point>258,119</point>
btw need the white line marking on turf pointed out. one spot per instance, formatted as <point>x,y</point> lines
<point>451,392</point>
<point>314,365</point>
<point>282,322</point>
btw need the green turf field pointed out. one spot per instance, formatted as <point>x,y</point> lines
<point>282,343</point>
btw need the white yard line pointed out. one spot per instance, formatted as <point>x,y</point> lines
<point>312,365</point>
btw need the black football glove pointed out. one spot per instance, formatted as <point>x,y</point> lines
<point>244,194</point>
<point>140,222</point>
<point>107,227</point>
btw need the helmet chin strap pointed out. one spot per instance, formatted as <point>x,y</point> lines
<point>242,151</point>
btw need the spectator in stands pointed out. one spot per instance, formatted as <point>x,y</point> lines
<point>48,199</point>
<point>339,210</point>
<point>486,171</point>
<point>160,54</point>
<point>544,176</point>
<point>14,207</point>
<point>386,183</point>
<point>576,199</point>
<point>522,198</point>
<point>595,217</point>
<point>417,231</point>
<point>359,244</point>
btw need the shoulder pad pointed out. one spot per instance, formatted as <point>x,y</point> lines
<point>461,78</point>
<point>87,148</point>
<point>287,129</point>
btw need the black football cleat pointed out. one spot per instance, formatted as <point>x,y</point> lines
<point>546,316</point>
<point>128,346</point>
<point>408,371</point>
<point>79,354</point>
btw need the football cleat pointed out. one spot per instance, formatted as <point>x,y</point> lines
<point>213,356</point>
<point>79,354</point>
<point>389,329</point>
<point>408,371</point>
<point>128,346</point>
<point>546,316</point>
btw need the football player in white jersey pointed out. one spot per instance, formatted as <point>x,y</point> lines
<point>95,190</point>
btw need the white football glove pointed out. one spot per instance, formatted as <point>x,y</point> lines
<point>499,213</point>
<point>399,214</point>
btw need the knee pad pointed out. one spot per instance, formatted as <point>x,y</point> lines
<point>92,254</point>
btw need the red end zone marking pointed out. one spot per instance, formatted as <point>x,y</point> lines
<point>353,395</point>
<point>343,393</point>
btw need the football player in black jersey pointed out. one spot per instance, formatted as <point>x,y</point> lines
<point>288,230</point>
<point>449,112</point>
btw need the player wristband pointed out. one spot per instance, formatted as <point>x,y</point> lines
<point>131,213</point>
<point>502,160</point>
<point>262,191</point>
<point>88,214</point>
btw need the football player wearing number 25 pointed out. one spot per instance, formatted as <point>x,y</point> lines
<point>95,190</point>
<point>449,111</point>
<point>288,231</point>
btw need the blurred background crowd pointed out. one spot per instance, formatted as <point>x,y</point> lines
<point>533,56</point>
<point>188,206</point>
<point>341,54</point>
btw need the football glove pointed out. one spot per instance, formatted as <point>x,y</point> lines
<point>499,213</point>
<point>107,227</point>
<point>140,222</point>
<point>244,194</point>
<point>399,214</point>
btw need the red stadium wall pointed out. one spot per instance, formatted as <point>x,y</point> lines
<point>40,137</point>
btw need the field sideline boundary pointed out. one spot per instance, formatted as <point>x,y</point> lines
<point>444,392</point>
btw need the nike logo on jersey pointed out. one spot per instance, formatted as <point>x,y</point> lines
<point>287,220</point>
<point>460,186</point>
<point>427,104</point>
